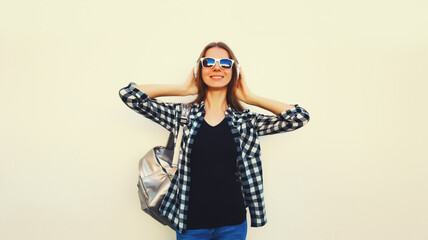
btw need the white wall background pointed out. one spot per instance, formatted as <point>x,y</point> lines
<point>70,147</point>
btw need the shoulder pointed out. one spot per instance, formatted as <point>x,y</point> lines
<point>244,116</point>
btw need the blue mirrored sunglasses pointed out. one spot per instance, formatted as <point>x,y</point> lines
<point>210,62</point>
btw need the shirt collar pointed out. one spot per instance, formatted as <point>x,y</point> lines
<point>230,111</point>
<point>202,108</point>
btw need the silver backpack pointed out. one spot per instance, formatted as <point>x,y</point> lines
<point>156,170</point>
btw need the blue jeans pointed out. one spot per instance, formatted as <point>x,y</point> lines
<point>235,232</point>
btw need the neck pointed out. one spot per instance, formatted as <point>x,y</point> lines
<point>216,101</point>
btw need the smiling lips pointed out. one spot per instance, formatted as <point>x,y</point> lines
<point>217,77</point>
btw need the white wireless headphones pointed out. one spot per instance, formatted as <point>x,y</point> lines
<point>195,69</point>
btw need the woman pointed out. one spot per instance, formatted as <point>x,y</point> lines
<point>220,171</point>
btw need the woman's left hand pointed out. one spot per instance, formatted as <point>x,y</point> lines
<point>241,89</point>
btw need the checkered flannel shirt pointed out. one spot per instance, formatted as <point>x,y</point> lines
<point>246,128</point>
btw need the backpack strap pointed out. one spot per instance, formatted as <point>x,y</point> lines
<point>184,117</point>
<point>185,113</point>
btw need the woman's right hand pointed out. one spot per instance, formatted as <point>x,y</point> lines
<point>190,85</point>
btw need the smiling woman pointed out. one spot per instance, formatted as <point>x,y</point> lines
<point>220,152</point>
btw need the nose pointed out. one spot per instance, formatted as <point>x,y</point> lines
<point>217,66</point>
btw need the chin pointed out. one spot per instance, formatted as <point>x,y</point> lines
<point>218,84</point>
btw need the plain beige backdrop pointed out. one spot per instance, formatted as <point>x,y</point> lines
<point>70,147</point>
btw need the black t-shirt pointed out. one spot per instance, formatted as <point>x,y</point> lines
<point>215,194</point>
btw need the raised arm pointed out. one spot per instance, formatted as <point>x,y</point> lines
<point>163,113</point>
<point>286,118</point>
<point>159,90</point>
<point>142,99</point>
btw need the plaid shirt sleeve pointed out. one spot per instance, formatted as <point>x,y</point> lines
<point>160,112</point>
<point>286,121</point>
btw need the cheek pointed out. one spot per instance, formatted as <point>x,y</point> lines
<point>229,76</point>
<point>205,71</point>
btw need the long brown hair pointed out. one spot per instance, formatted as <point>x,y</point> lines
<point>231,98</point>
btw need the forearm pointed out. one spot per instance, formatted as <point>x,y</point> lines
<point>159,90</point>
<point>274,106</point>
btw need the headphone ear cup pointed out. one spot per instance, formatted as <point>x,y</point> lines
<point>195,69</point>
<point>237,70</point>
